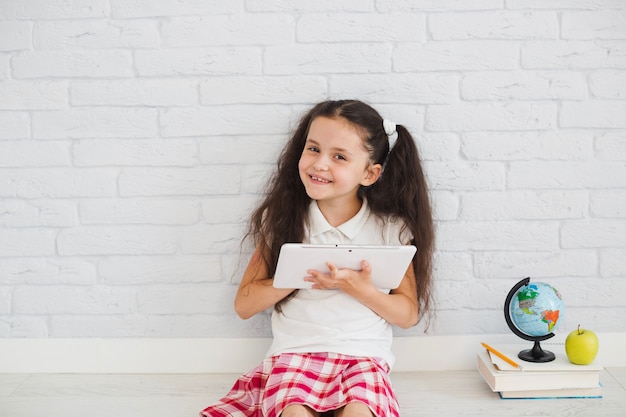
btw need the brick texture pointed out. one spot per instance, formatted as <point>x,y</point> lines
<point>135,138</point>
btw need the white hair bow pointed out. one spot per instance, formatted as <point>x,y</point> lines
<point>390,130</point>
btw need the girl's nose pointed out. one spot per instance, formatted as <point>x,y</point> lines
<point>320,165</point>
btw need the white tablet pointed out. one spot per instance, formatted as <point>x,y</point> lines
<point>389,263</point>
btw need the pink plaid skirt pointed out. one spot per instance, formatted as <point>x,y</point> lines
<point>322,381</point>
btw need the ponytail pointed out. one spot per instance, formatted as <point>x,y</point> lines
<point>402,192</point>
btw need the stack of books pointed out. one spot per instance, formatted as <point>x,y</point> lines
<point>514,378</point>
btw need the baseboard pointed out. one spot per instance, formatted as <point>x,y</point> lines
<point>426,353</point>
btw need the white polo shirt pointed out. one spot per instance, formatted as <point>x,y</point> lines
<point>331,320</point>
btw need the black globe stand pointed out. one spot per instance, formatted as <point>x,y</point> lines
<point>536,354</point>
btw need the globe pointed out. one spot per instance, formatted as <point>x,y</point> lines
<point>532,311</point>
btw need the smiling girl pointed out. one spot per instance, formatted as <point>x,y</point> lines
<point>346,176</point>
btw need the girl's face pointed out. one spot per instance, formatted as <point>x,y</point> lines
<point>334,162</point>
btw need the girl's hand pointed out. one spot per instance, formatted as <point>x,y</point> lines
<point>348,280</point>
<point>398,307</point>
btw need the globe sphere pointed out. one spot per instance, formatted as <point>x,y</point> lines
<point>536,309</point>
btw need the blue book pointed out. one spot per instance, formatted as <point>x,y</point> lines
<point>595,392</point>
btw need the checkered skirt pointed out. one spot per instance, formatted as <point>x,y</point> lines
<point>322,381</point>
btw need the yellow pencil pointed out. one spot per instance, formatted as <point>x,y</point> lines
<point>500,355</point>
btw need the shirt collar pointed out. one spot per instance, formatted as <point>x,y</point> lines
<point>319,225</point>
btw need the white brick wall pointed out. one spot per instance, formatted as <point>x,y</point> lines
<point>135,137</point>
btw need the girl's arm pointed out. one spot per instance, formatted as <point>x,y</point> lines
<point>256,292</point>
<point>398,307</point>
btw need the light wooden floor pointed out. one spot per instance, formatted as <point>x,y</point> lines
<point>440,394</point>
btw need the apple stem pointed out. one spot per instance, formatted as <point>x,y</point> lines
<point>579,329</point>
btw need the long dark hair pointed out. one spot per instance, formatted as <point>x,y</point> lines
<point>400,192</point>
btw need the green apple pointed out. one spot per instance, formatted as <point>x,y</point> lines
<point>581,346</point>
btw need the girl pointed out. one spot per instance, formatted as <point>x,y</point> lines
<point>342,179</point>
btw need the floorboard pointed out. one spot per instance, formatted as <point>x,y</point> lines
<point>452,393</point>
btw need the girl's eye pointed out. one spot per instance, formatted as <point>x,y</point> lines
<point>313,149</point>
<point>340,157</point>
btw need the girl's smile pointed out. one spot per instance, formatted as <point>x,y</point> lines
<point>319,179</point>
